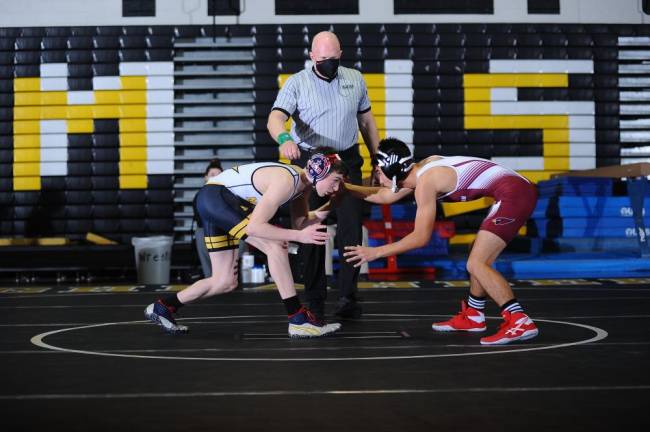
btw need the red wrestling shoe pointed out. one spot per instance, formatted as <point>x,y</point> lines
<point>516,326</point>
<point>468,319</point>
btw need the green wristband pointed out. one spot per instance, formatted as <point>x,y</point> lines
<point>284,137</point>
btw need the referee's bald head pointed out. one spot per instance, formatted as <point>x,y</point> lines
<point>325,45</point>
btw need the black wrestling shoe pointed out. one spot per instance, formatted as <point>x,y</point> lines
<point>318,309</point>
<point>348,308</point>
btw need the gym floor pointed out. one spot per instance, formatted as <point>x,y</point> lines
<point>83,358</point>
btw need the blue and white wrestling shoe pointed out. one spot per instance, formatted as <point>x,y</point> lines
<point>303,324</point>
<point>160,314</point>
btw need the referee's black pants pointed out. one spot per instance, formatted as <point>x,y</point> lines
<point>349,216</point>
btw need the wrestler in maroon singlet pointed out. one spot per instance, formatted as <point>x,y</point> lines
<point>514,196</point>
<point>457,179</point>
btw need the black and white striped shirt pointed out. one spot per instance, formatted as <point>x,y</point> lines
<point>324,111</point>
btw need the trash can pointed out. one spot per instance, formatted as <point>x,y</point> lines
<point>153,256</point>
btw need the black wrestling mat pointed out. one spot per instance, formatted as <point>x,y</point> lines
<point>85,359</point>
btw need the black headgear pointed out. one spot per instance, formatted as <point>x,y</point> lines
<point>395,160</point>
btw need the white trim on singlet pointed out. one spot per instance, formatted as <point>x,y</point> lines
<point>239,180</point>
<point>483,179</point>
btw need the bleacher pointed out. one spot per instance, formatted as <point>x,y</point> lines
<point>129,114</point>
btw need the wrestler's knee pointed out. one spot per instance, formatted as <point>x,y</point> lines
<point>278,247</point>
<point>231,285</point>
<point>273,247</point>
<point>220,284</point>
<point>474,265</point>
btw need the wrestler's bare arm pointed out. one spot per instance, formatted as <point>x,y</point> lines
<point>377,195</point>
<point>425,197</point>
<point>277,186</point>
<point>423,227</point>
<point>301,217</point>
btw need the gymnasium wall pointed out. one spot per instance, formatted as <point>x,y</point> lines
<point>86,132</point>
<point>32,13</point>
<point>88,119</point>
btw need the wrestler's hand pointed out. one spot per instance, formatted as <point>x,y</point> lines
<point>358,255</point>
<point>312,234</point>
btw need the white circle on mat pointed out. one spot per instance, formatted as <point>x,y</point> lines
<point>599,334</point>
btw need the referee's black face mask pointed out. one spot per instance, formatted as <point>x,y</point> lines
<point>328,67</point>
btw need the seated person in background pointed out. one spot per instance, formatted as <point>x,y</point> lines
<point>238,205</point>
<point>213,169</point>
<point>458,178</point>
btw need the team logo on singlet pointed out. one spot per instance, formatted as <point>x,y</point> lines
<point>502,221</point>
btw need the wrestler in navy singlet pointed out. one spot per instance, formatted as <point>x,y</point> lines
<point>227,200</point>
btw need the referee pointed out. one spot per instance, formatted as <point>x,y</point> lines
<point>328,104</point>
